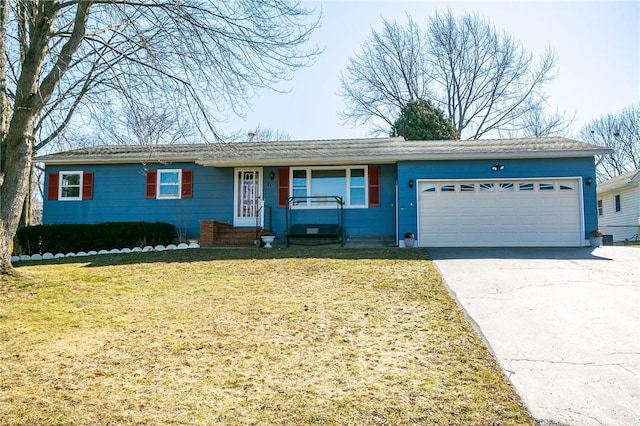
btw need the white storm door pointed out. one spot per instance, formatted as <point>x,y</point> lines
<point>248,197</point>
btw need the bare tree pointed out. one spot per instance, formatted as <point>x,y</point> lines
<point>264,134</point>
<point>620,132</point>
<point>385,76</point>
<point>146,123</point>
<point>536,123</point>
<point>59,56</point>
<point>483,79</point>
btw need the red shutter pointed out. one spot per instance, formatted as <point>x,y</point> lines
<point>151,184</point>
<point>283,186</point>
<point>187,183</point>
<point>52,186</point>
<point>374,186</point>
<point>87,186</point>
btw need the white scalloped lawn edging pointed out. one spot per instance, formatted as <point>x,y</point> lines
<point>49,256</point>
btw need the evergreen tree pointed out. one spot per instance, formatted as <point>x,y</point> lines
<point>420,120</point>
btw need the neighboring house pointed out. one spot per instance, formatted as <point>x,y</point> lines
<point>619,206</point>
<point>514,192</point>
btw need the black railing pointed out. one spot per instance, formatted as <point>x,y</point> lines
<point>333,231</point>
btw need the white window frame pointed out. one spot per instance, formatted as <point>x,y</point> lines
<point>159,185</point>
<point>61,197</point>
<point>347,200</point>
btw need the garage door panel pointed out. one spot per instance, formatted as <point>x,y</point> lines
<point>505,216</point>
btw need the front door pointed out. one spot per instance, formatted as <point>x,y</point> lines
<point>248,197</point>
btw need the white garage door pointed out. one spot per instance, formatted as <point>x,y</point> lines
<point>505,213</point>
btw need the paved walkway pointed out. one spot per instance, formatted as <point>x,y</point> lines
<point>564,325</point>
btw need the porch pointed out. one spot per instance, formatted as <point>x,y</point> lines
<point>220,234</point>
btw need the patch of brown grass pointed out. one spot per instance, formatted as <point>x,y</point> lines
<point>296,336</point>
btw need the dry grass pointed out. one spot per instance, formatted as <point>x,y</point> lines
<point>238,337</point>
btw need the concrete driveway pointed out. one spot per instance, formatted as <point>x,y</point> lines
<point>564,325</point>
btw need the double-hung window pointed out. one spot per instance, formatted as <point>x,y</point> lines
<point>169,183</point>
<point>70,186</point>
<point>321,184</point>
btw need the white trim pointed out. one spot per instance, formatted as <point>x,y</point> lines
<point>168,197</point>
<point>60,180</point>
<point>244,221</point>
<point>347,198</point>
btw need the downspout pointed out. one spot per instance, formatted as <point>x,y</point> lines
<point>396,212</point>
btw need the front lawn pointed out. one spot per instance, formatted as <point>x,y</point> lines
<point>238,337</point>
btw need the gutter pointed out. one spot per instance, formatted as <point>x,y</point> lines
<point>381,159</point>
<point>298,161</point>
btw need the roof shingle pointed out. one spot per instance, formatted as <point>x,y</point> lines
<point>327,151</point>
<point>618,182</point>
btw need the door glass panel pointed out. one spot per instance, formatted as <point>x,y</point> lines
<point>486,187</point>
<point>546,187</point>
<point>248,195</point>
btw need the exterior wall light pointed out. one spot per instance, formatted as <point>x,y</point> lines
<point>588,181</point>
<point>497,167</point>
<point>410,183</point>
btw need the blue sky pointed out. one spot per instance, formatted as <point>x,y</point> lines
<point>597,45</point>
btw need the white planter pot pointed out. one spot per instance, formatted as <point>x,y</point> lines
<point>268,240</point>
<point>595,241</point>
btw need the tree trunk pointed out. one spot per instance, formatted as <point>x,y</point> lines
<point>17,155</point>
<point>26,219</point>
<point>18,127</point>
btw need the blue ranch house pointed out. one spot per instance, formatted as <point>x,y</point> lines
<point>487,193</point>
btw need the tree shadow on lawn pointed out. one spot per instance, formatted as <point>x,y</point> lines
<point>213,254</point>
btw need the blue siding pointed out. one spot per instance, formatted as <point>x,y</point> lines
<point>481,169</point>
<point>119,195</point>
<point>374,221</point>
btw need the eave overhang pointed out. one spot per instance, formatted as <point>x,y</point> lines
<point>328,152</point>
<point>385,159</point>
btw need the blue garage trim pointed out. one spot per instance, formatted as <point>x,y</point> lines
<point>583,167</point>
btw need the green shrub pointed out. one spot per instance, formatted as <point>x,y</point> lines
<point>74,238</point>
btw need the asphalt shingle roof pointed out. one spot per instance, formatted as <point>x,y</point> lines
<point>618,182</point>
<point>327,151</point>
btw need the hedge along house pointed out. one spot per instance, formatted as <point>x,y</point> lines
<point>500,193</point>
